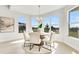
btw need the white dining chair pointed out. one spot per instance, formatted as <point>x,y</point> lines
<point>26,39</point>
<point>35,40</point>
<point>48,40</point>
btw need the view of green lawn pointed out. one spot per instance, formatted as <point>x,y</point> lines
<point>73,34</point>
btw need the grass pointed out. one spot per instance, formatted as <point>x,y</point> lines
<point>73,34</point>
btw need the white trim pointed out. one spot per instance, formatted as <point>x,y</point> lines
<point>68,16</point>
<point>73,8</point>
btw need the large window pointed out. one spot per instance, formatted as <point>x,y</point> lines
<point>46,23</point>
<point>55,24</point>
<point>51,23</point>
<point>34,24</point>
<point>22,24</point>
<point>74,23</point>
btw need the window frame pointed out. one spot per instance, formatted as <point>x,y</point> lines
<point>69,23</point>
<point>51,18</point>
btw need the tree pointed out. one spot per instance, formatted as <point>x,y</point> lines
<point>46,29</point>
<point>52,28</point>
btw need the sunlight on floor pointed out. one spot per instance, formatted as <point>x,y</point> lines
<point>16,47</point>
<point>19,41</point>
<point>73,52</point>
<point>56,45</point>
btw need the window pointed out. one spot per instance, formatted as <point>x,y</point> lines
<point>74,23</point>
<point>22,24</point>
<point>55,24</point>
<point>46,23</point>
<point>34,24</point>
<point>51,23</point>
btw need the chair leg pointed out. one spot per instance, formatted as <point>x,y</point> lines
<point>50,47</point>
<point>53,44</point>
<point>24,44</point>
<point>30,46</point>
<point>39,48</point>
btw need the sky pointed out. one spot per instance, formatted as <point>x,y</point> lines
<point>34,22</point>
<point>74,20</point>
<point>54,21</point>
<point>22,19</point>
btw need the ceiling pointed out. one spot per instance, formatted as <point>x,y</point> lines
<point>34,9</point>
<point>75,9</point>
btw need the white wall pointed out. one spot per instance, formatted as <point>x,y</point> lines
<point>64,30</point>
<point>63,35</point>
<point>10,35</point>
<point>71,41</point>
<point>59,13</point>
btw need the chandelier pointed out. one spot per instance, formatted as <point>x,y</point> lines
<point>39,17</point>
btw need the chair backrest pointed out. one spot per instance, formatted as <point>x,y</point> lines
<point>26,36</point>
<point>48,37</point>
<point>35,38</point>
<point>51,36</point>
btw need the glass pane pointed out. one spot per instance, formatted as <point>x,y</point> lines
<point>74,24</point>
<point>34,24</point>
<point>22,24</point>
<point>55,24</point>
<point>46,23</point>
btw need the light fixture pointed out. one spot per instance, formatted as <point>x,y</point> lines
<point>39,18</point>
<point>39,10</point>
<point>8,6</point>
<point>40,22</point>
